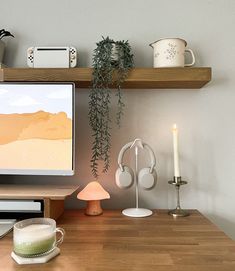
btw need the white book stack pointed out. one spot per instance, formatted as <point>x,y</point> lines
<point>20,206</point>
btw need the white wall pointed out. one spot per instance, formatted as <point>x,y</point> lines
<point>206,117</point>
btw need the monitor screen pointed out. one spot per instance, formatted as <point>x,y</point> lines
<point>37,128</point>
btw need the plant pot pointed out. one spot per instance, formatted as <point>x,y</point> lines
<point>2,48</point>
<point>114,53</point>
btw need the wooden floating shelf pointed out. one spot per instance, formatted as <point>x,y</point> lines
<point>139,78</point>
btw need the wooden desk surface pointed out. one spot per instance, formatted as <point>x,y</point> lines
<point>115,242</point>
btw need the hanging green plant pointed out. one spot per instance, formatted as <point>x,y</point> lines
<point>112,61</point>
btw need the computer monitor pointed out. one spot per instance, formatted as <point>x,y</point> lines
<point>37,128</point>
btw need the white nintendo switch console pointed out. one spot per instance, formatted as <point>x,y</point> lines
<point>52,57</point>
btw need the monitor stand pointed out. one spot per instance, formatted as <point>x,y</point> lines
<point>53,196</point>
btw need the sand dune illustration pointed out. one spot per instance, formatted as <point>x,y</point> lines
<point>38,125</point>
<point>37,154</point>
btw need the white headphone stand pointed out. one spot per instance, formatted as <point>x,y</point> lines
<point>137,212</point>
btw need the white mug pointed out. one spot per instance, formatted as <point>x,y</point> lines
<point>170,52</point>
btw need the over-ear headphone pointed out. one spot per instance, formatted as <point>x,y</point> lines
<point>124,176</point>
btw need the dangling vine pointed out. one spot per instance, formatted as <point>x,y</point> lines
<point>112,61</point>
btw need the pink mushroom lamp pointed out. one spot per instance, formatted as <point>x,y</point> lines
<point>93,193</point>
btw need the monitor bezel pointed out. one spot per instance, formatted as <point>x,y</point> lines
<point>43,172</point>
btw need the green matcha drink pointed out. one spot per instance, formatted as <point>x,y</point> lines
<point>34,239</point>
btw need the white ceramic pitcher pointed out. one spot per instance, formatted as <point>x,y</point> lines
<point>170,52</point>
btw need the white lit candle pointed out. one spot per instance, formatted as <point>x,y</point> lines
<point>176,151</point>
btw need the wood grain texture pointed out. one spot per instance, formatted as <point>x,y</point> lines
<point>54,192</point>
<point>139,78</point>
<point>115,242</point>
<point>53,208</point>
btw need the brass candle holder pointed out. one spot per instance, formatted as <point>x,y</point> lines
<point>178,212</point>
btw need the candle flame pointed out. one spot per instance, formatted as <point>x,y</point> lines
<point>174,127</point>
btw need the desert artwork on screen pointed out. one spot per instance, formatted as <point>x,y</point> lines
<point>36,128</point>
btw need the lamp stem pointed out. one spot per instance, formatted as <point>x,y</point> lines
<point>136,177</point>
<point>93,207</point>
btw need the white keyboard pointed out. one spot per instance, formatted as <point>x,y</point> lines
<point>6,226</point>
